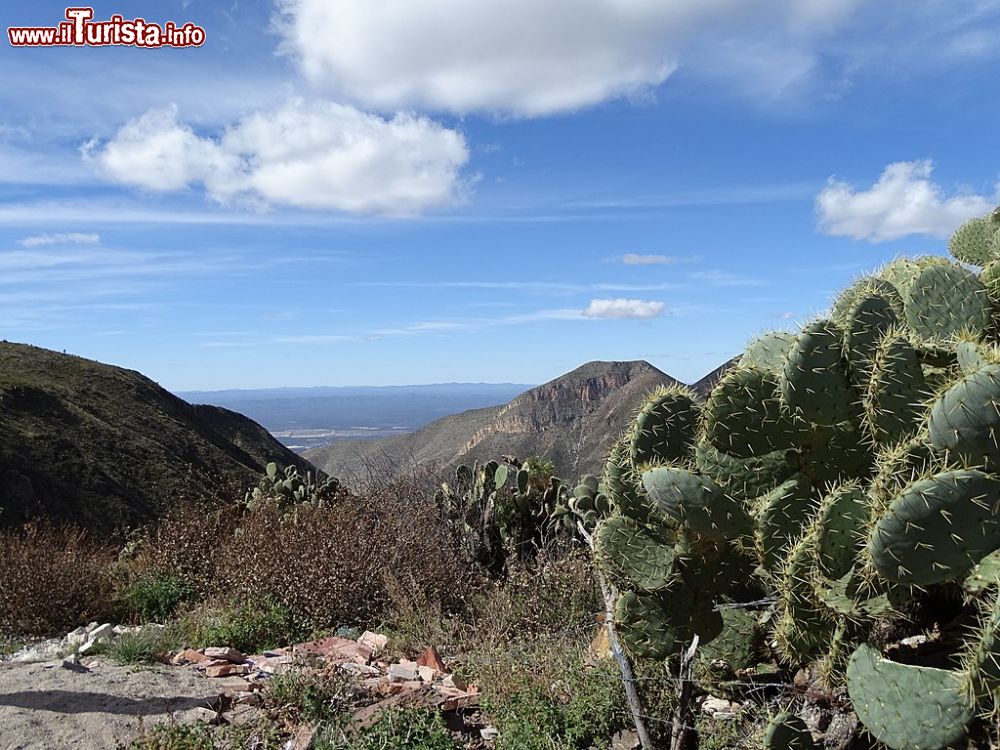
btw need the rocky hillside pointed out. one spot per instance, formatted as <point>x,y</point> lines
<point>103,446</point>
<point>570,420</point>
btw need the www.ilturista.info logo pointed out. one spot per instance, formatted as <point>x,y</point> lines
<point>80,30</point>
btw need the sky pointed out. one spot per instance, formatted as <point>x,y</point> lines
<point>335,192</point>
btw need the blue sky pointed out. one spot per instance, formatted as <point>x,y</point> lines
<point>330,192</point>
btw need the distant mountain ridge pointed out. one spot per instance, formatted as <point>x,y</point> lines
<point>570,420</point>
<point>103,446</point>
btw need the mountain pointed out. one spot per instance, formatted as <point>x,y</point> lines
<point>102,446</point>
<point>571,421</point>
<point>304,418</point>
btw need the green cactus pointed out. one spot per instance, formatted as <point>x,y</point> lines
<point>642,557</point>
<point>938,528</point>
<point>645,626</point>
<point>768,351</point>
<point>749,477</point>
<point>976,242</point>
<point>696,502</point>
<point>865,324</point>
<point>838,529</point>
<point>864,287</point>
<point>786,731</point>
<point>814,380</point>
<point>620,483</point>
<point>743,416</point>
<point>965,421</point>
<point>665,427</point>
<point>781,515</point>
<point>908,707</point>
<point>943,301</point>
<point>896,391</point>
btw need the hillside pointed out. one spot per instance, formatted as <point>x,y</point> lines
<point>570,420</point>
<point>102,446</point>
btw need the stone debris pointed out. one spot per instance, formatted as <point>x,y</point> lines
<point>226,653</point>
<point>375,641</point>
<point>719,708</point>
<point>431,658</point>
<point>81,641</point>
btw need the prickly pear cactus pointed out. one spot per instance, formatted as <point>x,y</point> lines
<point>835,501</point>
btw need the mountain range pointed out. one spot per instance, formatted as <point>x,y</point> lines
<point>103,447</point>
<point>571,421</point>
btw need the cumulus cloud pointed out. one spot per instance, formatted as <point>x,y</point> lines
<point>67,238</point>
<point>622,309</point>
<point>903,202</point>
<point>535,58</point>
<point>636,259</point>
<point>308,154</point>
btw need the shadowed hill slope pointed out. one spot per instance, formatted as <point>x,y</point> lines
<point>570,420</point>
<point>102,446</point>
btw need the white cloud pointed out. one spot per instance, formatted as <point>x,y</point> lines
<point>308,154</point>
<point>535,58</point>
<point>66,238</point>
<point>621,309</point>
<point>635,259</point>
<point>903,202</point>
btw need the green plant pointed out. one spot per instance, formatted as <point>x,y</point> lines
<point>843,481</point>
<point>403,728</point>
<point>172,737</point>
<point>153,598</point>
<point>307,696</point>
<point>288,488</point>
<point>250,627</point>
<point>146,646</point>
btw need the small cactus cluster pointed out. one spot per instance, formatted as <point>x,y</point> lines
<point>289,489</point>
<point>506,508</point>
<point>837,491</point>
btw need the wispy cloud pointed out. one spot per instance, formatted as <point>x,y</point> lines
<point>624,309</point>
<point>637,259</point>
<point>65,238</point>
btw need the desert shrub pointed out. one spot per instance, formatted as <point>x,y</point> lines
<point>146,646</point>
<point>548,696</point>
<point>409,728</point>
<point>307,696</point>
<point>172,737</point>
<point>250,627</point>
<point>183,545</point>
<point>53,578</point>
<point>328,565</point>
<point>152,597</point>
<point>554,595</point>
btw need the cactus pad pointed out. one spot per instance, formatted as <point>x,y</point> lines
<point>938,528</point>
<point>814,380</point>
<point>665,427</point>
<point>896,391</point>
<point>641,555</point>
<point>697,502</point>
<point>786,731</point>
<point>965,420</point>
<point>743,415</point>
<point>908,707</point>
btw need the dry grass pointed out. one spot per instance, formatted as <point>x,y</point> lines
<point>53,578</point>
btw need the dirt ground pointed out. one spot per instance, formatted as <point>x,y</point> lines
<point>96,704</point>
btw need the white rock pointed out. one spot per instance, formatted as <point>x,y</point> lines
<point>489,733</point>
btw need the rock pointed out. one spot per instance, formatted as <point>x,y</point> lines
<point>719,708</point>
<point>404,671</point>
<point>489,733</point>
<point>335,649</point>
<point>431,658</point>
<point>303,738</point>
<point>227,669</point>
<point>197,716</point>
<point>52,650</point>
<point>190,656</point>
<point>627,739</point>
<point>77,637</point>
<point>101,634</point>
<point>226,653</point>
<point>840,731</point>
<point>361,670</point>
<point>427,674</point>
<point>454,681</point>
<point>375,641</point>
